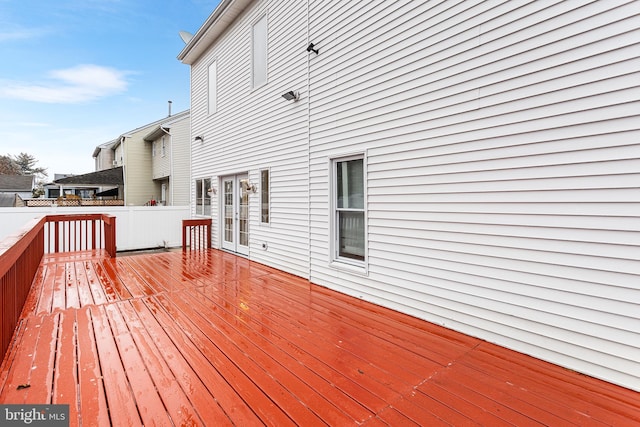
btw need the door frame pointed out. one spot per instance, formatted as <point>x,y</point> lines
<point>239,226</point>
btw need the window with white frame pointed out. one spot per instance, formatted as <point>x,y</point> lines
<point>213,87</point>
<point>153,149</point>
<point>264,196</point>
<point>203,196</point>
<point>163,147</point>
<point>259,52</point>
<point>349,209</point>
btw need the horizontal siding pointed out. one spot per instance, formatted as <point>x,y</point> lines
<point>180,144</point>
<point>139,184</point>
<point>502,147</point>
<point>254,129</point>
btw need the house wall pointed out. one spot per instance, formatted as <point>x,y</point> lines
<point>104,159</point>
<point>139,187</point>
<point>254,129</point>
<point>179,185</point>
<point>161,163</point>
<point>503,158</point>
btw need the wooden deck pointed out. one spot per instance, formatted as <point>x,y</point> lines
<point>208,338</point>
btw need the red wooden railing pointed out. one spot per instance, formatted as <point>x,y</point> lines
<point>20,256</point>
<point>196,234</point>
<point>81,232</point>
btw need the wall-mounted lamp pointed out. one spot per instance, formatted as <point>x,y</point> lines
<point>311,49</point>
<point>248,186</point>
<point>199,139</point>
<point>291,96</point>
<point>211,191</point>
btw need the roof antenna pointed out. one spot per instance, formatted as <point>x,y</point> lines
<point>185,36</point>
<point>169,108</point>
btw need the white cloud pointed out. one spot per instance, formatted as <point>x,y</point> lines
<point>70,86</point>
<point>18,34</point>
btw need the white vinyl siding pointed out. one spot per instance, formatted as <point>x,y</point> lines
<point>257,129</point>
<point>172,168</point>
<point>180,141</point>
<point>503,160</point>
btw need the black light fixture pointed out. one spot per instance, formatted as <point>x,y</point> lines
<point>291,96</point>
<point>199,139</point>
<point>311,49</point>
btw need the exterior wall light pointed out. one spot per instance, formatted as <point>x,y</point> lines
<point>199,139</point>
<point>291,96</point>
<point>310,48</point>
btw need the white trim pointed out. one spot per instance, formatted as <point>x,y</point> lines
<point>335,261</point>
<point>266,53</point>
<point>212,89</point>
<point>261,222</point>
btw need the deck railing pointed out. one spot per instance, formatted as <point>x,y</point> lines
<point>196,234</point>
<point>20,257</point>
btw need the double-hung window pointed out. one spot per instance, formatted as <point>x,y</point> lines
<point>203,196</point>
<point>349,210</point>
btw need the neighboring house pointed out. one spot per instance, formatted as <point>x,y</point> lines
<point>108,183</point>
<point>104,156</point>
<point>15,188</point>
<point>472,164</point>
<point>52,190</point>
<point>145,177</point>
<point>170,158</point>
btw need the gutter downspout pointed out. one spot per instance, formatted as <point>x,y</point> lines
<point>310,254</point>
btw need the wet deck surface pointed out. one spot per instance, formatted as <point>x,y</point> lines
<point>208,338</point>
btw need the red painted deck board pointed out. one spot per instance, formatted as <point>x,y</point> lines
<point>208,338</point>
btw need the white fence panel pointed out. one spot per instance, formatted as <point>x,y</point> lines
<point>137,227</point>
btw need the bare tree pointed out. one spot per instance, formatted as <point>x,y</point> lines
<point>8,166</point>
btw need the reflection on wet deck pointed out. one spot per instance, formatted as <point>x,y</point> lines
<point>208,338</point>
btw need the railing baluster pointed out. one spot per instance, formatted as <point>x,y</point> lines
<point>196,234</point>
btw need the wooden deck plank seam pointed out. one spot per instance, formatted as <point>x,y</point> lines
<point>156,304</point>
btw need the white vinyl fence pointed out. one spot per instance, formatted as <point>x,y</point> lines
<point>137,227</point>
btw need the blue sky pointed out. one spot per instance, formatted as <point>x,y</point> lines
<point>77,73</point>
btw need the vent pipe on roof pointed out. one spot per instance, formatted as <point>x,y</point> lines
<point>169,108</point>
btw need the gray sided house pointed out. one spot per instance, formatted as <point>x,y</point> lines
<point>105,183</point>
<point>474,164</point>
<point>15,188</point>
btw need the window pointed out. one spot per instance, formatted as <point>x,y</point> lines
<point>213,88</point>
<point>259,52</point>
<point>153,149</point>
<point>349,209</point>
<point>264,196</point>
<point>203,197</point>
<point>163,147</point>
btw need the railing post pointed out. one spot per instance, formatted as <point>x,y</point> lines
<point>110,234</point>
<point>194,228</point>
